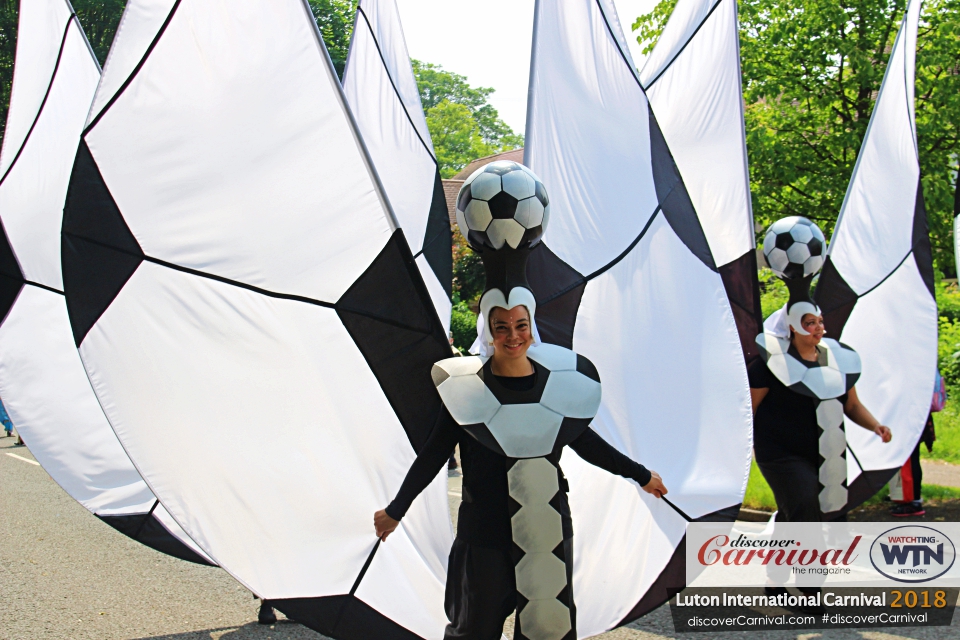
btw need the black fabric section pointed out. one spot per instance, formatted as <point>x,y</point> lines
<point>956,195</point>
<point>571,429</point>
<point>835,298</point>
<point>482,435</point>
<point>795,482</point>
<point>511,390</point>
<point>438,239</point>
<point>11,278</point>
<point>785,424</point>
<point>504,268</point>
<point>480,593</point>
<point>799,289</point>
<point>674,199</point>
<point>343,617</point>
<point>587,368</point>
<point>743,291</point>
<point>518,384</point>
<point>147,530</point>
<point>922,252</point>
<point>98,251</point>
<point>866,485</point>
<point>558,288</point>
<point>392,320</point>
<point>561,504</point>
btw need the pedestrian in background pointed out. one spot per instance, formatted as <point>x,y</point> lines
<point>906,483</point>
<point>5,419</point>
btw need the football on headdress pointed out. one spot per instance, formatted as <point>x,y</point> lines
<point>503,203</point>
<point>794,247</point>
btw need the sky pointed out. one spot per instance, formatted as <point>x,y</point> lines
<point>488,41</point>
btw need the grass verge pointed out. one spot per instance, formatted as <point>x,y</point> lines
<point>759,496</point>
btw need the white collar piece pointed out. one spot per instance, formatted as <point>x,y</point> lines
<point>815,379</point>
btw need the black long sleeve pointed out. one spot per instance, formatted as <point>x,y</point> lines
<point>434,455</point>
<point>595,450</point>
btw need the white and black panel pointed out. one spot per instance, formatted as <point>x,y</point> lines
<point>32,187</point>
<point>674,200</point>
<point>43,27</point>
<point>285,337</point>
<point>41,376</point>
<point>11,278</point>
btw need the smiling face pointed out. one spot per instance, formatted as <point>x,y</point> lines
<point>512,334</point>
<point>812,324</point>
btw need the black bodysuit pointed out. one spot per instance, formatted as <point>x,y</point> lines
<point>484,517</point>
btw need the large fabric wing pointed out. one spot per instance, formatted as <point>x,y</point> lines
<point>233,271</point>
<point>381,90</point>
<point>692,79</point>
<point>876,290</point>
<point>42,380</point>
<point>626,277</point>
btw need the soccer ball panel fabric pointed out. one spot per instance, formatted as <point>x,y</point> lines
<point>225,219</point>
<point>254,279</point>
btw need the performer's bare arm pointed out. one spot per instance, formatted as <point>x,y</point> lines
<point>862,416</point>
<point>757,396</point>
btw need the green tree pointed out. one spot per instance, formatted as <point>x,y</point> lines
<point>811,73</point>
<point>438,86</point>
<point>99,19</point>
<point>335,21</point>
<point>456,137</point>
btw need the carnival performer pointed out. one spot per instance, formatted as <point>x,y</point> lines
<point>512,410</point>
<point>802,386</point>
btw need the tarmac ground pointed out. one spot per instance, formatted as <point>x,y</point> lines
<point>66,575</point>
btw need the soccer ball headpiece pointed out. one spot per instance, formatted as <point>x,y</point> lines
<point>794,248</point>
<point>502,211</point>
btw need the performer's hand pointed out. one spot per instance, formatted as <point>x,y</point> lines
<point>655,486</point>
<point>384,524</point>
<point>884,433</point>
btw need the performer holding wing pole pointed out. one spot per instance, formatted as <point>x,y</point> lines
<point>511,410</point>
<point>802,387</point>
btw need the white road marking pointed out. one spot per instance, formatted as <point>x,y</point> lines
<point>13,455</point>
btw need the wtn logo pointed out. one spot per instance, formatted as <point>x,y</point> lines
<point>912,554</point>
<point>897,554</point>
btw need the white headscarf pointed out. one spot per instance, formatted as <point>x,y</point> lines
<point>777,323</point>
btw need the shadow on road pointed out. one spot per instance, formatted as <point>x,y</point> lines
<point>282,630</point>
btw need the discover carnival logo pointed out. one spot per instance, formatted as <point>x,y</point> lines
<point>912,554</point>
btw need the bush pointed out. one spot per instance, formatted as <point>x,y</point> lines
<point>948,350</point>
<point>948,300</point>
<point>773,293</point>
<point>463,324</point>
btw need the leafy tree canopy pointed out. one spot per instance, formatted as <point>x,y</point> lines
<point>463,125</point>
<point>335,21</point>
<point>811,73</point>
